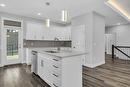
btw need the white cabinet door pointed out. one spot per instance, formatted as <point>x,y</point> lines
<point>40,66</point>
<point>30,33</point>
<point>34,31</point>
<point>38,31</point>
<point>50,34</point>
<point>28,56</point>
<point>62,32</point>
<point>44,68</point>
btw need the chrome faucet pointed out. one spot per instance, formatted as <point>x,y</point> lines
<point>57,39</point>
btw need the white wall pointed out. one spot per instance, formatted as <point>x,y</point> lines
<point>86,20</point>
<point>122,34</point>
<point>95,37</point>
<point>98,39</point>
<point>122,37</point>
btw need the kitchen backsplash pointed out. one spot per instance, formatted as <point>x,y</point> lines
<point>32,43</point>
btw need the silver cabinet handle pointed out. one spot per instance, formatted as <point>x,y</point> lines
<point>55,75</point>
<point>55,60</point>
<point>55,66</point>
<point>55,85</point>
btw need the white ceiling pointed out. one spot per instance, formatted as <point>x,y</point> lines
<point>30,8</point>
<point>124,6</point>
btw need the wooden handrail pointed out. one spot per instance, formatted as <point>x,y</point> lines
<point>122,52</point>
<point>123,46</point>
<point>117,48</point>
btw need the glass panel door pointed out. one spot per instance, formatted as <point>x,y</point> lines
<point>12,44</point>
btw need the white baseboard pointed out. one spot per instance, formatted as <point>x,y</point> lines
<point>94,65</point>
<point>28,63</point>
<point>23,62</point>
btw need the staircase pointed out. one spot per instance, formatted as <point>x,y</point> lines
<point>121,52</point>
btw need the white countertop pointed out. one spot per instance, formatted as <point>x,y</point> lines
<point>62,53</point>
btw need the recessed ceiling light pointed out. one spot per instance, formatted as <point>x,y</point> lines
<point>2,5</point>
<point>47,3</point>
<point>39,14</point>
<point>118,23</point>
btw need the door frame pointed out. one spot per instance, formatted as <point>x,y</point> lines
<point>4,42</point>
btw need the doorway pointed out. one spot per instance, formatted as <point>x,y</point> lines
<point>110,39</point>
<point>12,45</point>
<point>12,39</point>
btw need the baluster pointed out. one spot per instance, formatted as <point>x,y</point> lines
<point>125,51</point>
<point>127,54</point>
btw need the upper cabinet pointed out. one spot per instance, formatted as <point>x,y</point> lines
<point>38,31</point>
<point>61,32</point>
<point>34,31</point>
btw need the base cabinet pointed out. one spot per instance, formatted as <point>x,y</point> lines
<point>60,72</point>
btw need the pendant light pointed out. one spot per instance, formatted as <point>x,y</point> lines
<point>48,23</point>
<point>47,20</point>
<point>64,15</point>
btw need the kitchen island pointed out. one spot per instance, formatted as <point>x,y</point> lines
<point>60,68</point>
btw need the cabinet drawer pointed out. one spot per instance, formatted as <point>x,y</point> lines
<point>56,62</point>
<point>46,76</point>
<point>56,76</point>
<point>56,84</point>
<point>56,69</point>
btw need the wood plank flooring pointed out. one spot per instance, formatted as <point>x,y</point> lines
<point>111,74</point>
<point>19,76</point>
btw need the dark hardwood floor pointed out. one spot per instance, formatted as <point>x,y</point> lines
<point>111,74</point>
<point>19,76</point>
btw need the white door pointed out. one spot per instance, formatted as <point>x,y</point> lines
<point>13,45</point>
<point>110,39</point>
<point>78,39</point>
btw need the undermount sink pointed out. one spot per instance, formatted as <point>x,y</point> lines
<point>51,51</point>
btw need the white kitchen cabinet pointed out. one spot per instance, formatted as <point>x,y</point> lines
<point>34,31</point>
<point>28,55</point>
<point>30,34</point>
<point>49,34</point>
<point>63,32</point>
<point>60,72</point>
<point>44,68</point>
<point>38,31</point>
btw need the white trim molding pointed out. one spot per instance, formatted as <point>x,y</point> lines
<point>95,65</point>
<point>1,65</point>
